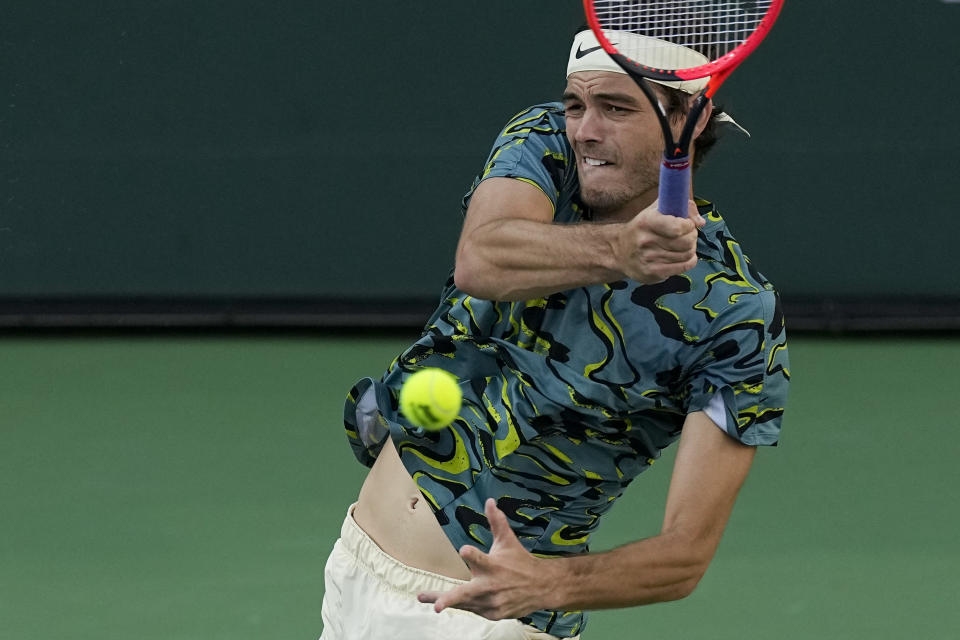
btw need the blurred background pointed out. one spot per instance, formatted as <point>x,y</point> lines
<point>215,217</point>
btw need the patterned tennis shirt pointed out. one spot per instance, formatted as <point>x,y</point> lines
<point>568,398</point>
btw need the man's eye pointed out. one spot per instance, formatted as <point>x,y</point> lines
<point>573,108</point>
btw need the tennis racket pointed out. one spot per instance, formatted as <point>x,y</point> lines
<point>679,40</point>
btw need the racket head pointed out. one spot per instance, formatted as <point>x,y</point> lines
<point>681,39</point>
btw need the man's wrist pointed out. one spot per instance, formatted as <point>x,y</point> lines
<point>608,236</point>
<point>557,581</point>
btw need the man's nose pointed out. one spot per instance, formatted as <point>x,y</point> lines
<point>590,128</point>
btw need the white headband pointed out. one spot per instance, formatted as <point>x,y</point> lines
<point>586,54</point>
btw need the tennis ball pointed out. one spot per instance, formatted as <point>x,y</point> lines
<point>431,398</point>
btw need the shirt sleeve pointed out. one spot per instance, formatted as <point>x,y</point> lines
<point>745,361</point>
<point>532,147</point>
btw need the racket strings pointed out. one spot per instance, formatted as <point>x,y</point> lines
<point>713,28</point>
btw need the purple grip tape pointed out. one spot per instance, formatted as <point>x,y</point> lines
<point>675,186</point>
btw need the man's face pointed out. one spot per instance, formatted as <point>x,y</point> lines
<point>617,140</point>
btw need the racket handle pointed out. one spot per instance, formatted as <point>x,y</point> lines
<point>674,186</point>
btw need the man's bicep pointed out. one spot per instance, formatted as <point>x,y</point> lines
<point>504,198</point>
<point>708,472</point>
<point>494,203</point>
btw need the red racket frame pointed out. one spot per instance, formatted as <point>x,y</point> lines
<point>718,70</point>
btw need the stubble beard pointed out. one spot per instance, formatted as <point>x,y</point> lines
<point>611,198</point>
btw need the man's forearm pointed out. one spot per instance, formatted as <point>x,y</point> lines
<point>709,470</point>
<point>659,569</point>
<point>519,259</point>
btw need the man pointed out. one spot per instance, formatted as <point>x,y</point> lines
<point>588,332</point>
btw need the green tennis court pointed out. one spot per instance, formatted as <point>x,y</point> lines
<point>189,487</point>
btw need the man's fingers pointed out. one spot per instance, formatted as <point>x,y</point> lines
<point>676,257</point>
<point>684,244</point>
<point>458,597</point>
<point>499,526</point>
<point>441,599</point>
<point>693,213</point>
<point>670,226</point>
<point>476,560</point>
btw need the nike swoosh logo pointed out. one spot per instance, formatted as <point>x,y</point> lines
<point>585,52</point>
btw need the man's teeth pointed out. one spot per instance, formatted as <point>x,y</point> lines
<point>593,162</point>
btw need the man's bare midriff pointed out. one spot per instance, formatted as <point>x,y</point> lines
<point>393,512</point>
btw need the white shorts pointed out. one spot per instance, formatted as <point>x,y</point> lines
<point>369,595</point>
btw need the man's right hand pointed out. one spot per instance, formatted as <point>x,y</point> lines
<point>652,246</point>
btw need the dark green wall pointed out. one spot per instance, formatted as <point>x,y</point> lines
<point>318,149</point>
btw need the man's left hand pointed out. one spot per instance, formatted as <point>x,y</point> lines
<point>507,582</point>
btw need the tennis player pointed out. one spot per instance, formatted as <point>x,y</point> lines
<point>589,332</point>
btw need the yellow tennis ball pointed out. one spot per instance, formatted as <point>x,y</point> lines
<point>431,398</point>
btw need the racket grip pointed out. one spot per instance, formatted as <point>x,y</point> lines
<point>674,186</point>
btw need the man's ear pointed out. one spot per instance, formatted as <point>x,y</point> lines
<point>704,118</point>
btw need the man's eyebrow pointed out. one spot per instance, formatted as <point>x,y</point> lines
<point>621,98</point>
<point>624,98</point>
